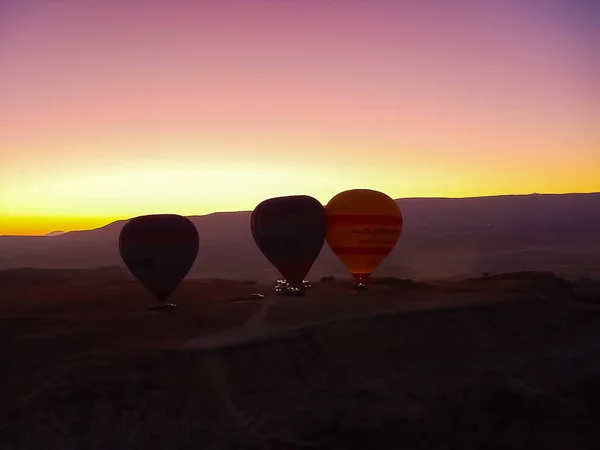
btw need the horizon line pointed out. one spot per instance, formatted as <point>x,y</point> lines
<point>248,210</point>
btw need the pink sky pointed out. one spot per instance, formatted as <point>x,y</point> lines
<point>417,98</point>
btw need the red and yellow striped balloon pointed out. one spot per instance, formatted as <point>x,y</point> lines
<point>363,227</point>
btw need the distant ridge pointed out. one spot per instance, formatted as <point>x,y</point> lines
<point>55,233</point>
<point>442,239</point>
<point>533,194</point>
<point>411,199</point>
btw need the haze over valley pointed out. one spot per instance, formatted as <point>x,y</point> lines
<point>442,238</point>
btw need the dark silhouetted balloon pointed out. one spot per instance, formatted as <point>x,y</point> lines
<point>159,250</point>
<point>290,232</point>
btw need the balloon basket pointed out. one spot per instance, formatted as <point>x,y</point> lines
<point>360,287</point>
<point>294,293</point>
<point>163,307</point>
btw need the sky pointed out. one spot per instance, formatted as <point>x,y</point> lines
<point>115,108</point>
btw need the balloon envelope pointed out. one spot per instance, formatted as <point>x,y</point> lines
<point>159,251</point>
<point>290,232</point>
<point>363,226</point>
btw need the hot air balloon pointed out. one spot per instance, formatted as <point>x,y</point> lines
<point>363,226</point>
<point>159,251</point>
<point>290,232</point>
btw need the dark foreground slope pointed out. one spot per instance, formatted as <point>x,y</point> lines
<point>522,371</point>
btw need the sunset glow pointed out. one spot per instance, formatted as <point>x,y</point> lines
<point>114,109</point>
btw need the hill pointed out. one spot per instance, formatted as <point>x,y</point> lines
<point>54,233</point>
<point>442,238</point>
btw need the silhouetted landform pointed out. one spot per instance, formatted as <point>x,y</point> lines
<point>442,238</point>
<point>550,281</point>
<point>12,279</point>
<point>54,233</point>
<point>586,289</point>
<point>503,361</point>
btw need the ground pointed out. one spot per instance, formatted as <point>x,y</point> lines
<point>499,362</point>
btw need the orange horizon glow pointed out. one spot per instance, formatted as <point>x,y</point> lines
<point>42,225</point>
<point>200,107</point>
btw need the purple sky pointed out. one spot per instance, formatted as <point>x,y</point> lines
<point>415,98</point>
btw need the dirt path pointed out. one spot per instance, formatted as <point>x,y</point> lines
<point>255,327</point>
